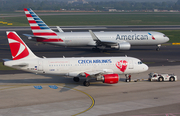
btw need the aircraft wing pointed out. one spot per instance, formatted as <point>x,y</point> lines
<point>95,73</point>
<point>99,42</point>
<point>109,43</point>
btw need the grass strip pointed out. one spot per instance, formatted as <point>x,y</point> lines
<point>100,19</point>
<point>2,67</point>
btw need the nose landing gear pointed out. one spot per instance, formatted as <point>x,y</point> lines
<point>158,47</point>
<point>128,78</point>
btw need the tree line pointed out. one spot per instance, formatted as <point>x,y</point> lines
<point>12,5</point>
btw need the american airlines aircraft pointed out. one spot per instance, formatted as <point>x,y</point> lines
<point>105,69</point>
<point>122,40</point>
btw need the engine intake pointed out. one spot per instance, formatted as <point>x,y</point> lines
<point>109,78</point>
<point>122,46</point>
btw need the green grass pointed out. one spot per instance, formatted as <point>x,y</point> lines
<point>106,19</point>
<point>2,67</point>
<point>100,19</point>
<point>174,35</point>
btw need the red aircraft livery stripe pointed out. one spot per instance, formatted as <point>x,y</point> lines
<point>28,15</point>
<point>32,21</point>
<point>49,40</point>
<point>25,9</point>
<point>35,27</point>
<point>45,34</point>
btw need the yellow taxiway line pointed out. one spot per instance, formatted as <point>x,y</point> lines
<point>62,85</point>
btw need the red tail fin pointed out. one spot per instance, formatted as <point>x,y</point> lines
<point>19,49</point>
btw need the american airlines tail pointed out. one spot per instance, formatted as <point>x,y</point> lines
<point>19,49</point>
<point>40,30</point>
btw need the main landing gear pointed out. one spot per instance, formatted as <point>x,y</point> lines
<point>85,83</point>
<point>96,49</point>
<point>158,47</point>
<point>128,78</point>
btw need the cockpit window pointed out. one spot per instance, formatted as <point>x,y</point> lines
<point>139,62</point>
<point>164,36</point>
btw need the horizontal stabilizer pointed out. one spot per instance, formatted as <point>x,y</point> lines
<point>34,37</point>
<point>28,35</point>
<point>20,65</point>
<point>6,59</point>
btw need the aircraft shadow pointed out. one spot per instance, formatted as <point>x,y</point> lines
<point>55,80</point>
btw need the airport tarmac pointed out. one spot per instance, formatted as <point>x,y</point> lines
<point>43,95</point>
<point>27,94</point>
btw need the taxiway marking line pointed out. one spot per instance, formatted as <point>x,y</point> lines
<point>175,43</point>
<point>92,99</point>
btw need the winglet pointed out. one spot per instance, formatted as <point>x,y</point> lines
<point>59,29</point>
<point>95,38</point>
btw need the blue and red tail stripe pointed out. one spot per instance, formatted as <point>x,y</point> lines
<point>34,19</point>
<point>39,28</point>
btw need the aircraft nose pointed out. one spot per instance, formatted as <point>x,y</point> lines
<point>145,67</point>
<point>166,39</point>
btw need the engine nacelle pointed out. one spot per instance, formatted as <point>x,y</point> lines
<point>122,46</point>
<point>109,78</point>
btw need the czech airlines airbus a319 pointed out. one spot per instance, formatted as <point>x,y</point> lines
<point>122,40</point>
<point>105,69</point>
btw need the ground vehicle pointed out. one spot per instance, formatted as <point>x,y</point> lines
<point>162,77</point>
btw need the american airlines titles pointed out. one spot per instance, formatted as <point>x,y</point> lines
<point>132,37</point>
<point>94,61</point>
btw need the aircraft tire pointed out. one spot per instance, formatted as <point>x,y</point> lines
<point>86,83</point>
<point>96,49</point>
<point>157,49</point>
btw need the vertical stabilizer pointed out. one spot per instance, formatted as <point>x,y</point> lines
<point>37,25</point>
<point>19,49</point>
<point>39,28</point>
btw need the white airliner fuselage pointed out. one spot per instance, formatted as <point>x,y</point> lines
<point>134,38</point>
<point>77,66</point>
<point>122,40</point>
<point>106,69</point>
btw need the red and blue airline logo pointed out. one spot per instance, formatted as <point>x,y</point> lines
<point>152,36</point>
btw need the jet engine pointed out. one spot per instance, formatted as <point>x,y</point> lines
<point>109,78</point>
<point>122,46</point>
